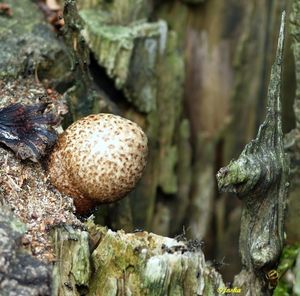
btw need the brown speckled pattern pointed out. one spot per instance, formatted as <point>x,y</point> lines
<point>98,159</point>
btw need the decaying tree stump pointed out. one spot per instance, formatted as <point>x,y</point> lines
<point>77,257</point>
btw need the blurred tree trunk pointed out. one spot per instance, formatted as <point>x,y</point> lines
<point>292,139</point>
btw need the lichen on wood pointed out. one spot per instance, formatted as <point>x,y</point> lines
<point>260,178</point>
<point>72,270</point>
<point>120,49</point>
<point>143,263</point>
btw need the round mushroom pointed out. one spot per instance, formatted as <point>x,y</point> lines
<point>98,159</point>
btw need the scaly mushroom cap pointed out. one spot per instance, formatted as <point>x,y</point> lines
<point>98,159</point>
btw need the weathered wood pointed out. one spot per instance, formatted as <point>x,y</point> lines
<point>227,63</point>
<point>72,270</point>
<point>143,263</point>
<point>42,208</point>
<point>260,178</point>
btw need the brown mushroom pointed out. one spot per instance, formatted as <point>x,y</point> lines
<point>98,159</point>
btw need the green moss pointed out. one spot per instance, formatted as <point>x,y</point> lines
<point>18,226</point>
<point>282,290</point>
<point>287,261</point>
<point>114,258</point>
<point>288,257</point>
<point>242,173</point>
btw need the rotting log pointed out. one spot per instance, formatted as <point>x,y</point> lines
<point>259,177</point>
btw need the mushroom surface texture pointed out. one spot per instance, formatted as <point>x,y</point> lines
<point>98,159</point>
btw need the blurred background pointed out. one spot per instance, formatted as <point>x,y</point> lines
<point>194,75</point>
<point>196,80</point>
